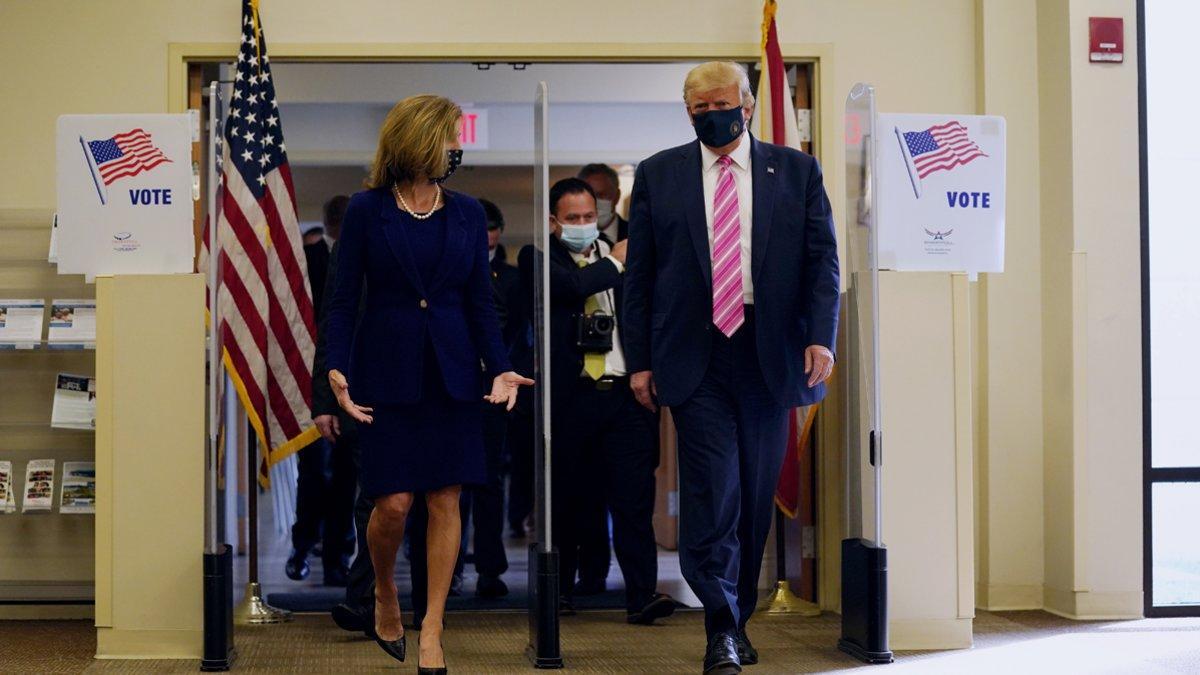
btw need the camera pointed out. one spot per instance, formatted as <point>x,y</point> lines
<point>594,332</point>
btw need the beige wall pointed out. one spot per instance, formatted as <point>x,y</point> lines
<point>1056,336</point>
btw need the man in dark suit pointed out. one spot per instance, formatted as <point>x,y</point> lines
<point>600,434</point>
<point>731,304</point>
<point>607,186</point>
<point>325,483</point>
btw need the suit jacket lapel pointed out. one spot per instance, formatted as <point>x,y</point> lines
<point>455,243</point>
<point>692,193</point>
<point>393,233</point>
<point>762,170</point>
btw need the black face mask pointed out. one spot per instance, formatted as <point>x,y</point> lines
<point>718,128</point>
<point>453,161</point>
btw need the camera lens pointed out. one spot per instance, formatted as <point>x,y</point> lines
<point>602,324</point>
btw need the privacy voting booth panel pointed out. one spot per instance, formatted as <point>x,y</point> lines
<point>864,560</point>
<point>543,648</point>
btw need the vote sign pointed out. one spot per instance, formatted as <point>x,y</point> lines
<point>124,194</point>
<point>941,182</point>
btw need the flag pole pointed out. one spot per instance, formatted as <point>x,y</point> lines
<point>253,609</point>
<point>87,157</point>
<point>908,163</point>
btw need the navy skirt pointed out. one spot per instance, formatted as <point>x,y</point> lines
<point>433,443</point>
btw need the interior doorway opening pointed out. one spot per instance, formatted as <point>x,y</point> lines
<point>609,113</point>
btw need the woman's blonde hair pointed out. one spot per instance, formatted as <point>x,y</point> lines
<point>716,74</point>
<point>412,140</point>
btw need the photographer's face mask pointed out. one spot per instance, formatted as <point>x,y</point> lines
<point>579,237</point>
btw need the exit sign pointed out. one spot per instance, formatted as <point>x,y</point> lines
<point>473,132</point>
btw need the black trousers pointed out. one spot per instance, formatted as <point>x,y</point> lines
<point>324,503</point>
<point>360,588</point>
<point>520,481</point>
<point>605,451</point>
<point>487,500</point>
<point>732,435</point>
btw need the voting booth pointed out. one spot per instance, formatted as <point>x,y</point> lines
<point>925,194</point>
<point>125,208</point>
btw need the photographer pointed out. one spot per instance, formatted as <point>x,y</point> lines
<point>604,447</point>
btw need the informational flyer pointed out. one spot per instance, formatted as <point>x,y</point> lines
<point>74,402</point>
<point>78,488</point>
<point>72,324</point>
<point>8,503</point>
<point>21,323</point>
<point>39,486</point>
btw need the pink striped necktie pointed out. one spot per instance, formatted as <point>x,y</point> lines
<point>728,313</point>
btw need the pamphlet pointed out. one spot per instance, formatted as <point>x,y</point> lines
<point>72,324</point>
<point>8,503</point>
<point>74,402</point>
<point>21,323</point>
<point>39,486</point>
<point>78,488</point>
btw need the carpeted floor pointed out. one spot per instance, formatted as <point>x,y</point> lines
<point>1027,643</point>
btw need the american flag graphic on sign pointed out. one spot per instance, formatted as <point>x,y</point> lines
<point>941,148</point>
<point>125,155</point>
<point>264,303</point>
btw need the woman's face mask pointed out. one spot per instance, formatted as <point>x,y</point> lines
<point>453,161</point>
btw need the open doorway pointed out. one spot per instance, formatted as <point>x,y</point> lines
<point>614,114</point>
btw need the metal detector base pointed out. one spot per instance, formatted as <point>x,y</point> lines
<point>254,611</point>
<point>219,652</point>
<point>864,601</point>
<point>544,648</point>
<point>784,601</point>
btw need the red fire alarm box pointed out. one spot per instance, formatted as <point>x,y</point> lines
<point>1107,39</point>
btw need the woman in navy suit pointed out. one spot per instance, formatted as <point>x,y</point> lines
<point>414,359</point>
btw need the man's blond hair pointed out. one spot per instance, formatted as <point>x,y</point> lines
<point>717,74</point>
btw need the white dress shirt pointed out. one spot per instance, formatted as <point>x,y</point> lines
<point>710,171</point>
<point>614,361</point>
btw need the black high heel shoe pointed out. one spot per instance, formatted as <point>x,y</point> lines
<point>422,670</point>
<point>394,648</point>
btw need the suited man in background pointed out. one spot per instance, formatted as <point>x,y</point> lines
<point>607,186</point>
<point>731,305</point>
<point>604,442</point>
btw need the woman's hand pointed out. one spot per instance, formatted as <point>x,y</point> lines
<point>341,389</point>
<point>504,389</point>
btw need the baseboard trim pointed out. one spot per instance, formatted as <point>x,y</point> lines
<point>114,643</point>
<point>1008,597</point>
<point>914,634</point>
<point>1092,606</point>
<point>47,612</point>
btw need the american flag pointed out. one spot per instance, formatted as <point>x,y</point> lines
<point>941,148</point>
<point>263,300</point>
<point>125,155</point>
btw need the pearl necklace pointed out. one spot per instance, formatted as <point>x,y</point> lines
<point>437,201</point>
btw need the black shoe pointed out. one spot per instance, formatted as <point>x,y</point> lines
<point>589,587</point>
<point>490,586</point>
<point>721,658</point>
<point>394,648</point>
<point>352,619</point>
<point>336,575</point>
<point>659,607</point>
<point>296,567</point>
<point>422,670</point>
<point>747,654</point>
<point>566,606</point>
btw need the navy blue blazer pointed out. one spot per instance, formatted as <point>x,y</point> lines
<point>383,359</point>
<point>668,275</point>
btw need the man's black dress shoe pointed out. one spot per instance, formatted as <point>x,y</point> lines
<point>394,648</point>
<point>566,606</point>
<point>747,654</point>
<point>589,587</point>
<point>722,657</point>
<point>352,619</point>
<point>490,586</point>
<point>296,567</point>
<point>659,607</point>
